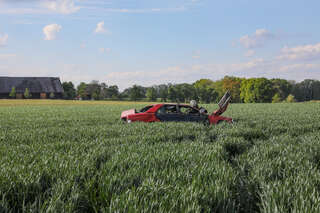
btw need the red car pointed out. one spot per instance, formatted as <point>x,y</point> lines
<point>178,112</point>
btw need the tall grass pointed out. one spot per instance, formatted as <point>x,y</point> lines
<point>82,158</point>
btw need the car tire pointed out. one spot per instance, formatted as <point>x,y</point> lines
<point>206,122</point>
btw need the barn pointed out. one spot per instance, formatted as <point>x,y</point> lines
<point>39,87</point>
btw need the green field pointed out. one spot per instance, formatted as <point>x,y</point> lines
<point>60,156</point>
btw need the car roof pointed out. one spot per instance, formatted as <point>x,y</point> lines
<point>155,107</point>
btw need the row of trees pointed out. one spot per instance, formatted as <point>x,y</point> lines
<point>251,90</point>
<point>26,93</point>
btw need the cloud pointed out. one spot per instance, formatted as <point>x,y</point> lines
<point>61,6</point>
<point>3,39</point>
<point>104,50</point>
<point>250,53</point>
<point>17,7</point>
<point>50,31</point>
<point>299,67</point>
<point>258,39</point>
<point>306,52</point>
<point>7,56</point>
<point>100,28</point>
<point>83,45</point>
<point>196,54</point>
<point>138,10</point>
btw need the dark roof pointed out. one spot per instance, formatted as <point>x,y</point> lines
<point>34,84</point>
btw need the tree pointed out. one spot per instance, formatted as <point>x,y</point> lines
<point>172,94</point>
<point>205,90</point>
<point>276,98</point>
<point>95,96</point>
<point>136,93</point>
<point>151,94</point>
<point>51,96</point>
<point>69,90</point>
<point>81,90</point>
<point>163,92</point>
<point>281,87</point>
<point>112,92</point>
<point>232,84</point>
<point>27,93</point>
<point>307,90</point>
<point>290,99</point>
<point>186,92</point>
<point>13,93</point>
<point>93,90</point>
<point>256,90</point>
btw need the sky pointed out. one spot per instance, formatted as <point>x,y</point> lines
<point>148,42</point>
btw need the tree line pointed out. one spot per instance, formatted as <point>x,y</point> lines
<point>243,90</point>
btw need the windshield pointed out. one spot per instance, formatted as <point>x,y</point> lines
<point>146,108</point>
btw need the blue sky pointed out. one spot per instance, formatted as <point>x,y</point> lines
<point>148,42</point>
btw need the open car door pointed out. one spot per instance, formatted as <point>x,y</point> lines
<point>223,104</point>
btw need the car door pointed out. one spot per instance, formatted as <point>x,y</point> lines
<point>192,114</point>
<point>169,112</point>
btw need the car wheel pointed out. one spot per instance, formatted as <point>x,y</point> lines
<point>206,122</point>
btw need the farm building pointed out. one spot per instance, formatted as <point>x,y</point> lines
<point>39,87</point>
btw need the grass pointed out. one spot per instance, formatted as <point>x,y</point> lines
<point>65,156</point>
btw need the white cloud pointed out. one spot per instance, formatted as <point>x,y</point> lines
<point>101,29</point>
<point>250,53</point>
<point>50,31</point>
<point>299,67</point>
<point>61,6</point>
<point>196,54</point>
<point>258,39</point>
<point>7,56</point>
<point>306,52</point>
<point>83,45</point>
<point>3,39</point>
<point>140,10</point>
<point>104,50</point>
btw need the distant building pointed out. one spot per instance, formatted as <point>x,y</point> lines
<point>39,87</point>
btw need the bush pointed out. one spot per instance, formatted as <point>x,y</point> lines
<point>51,95</point>
<point>290,99</point>
<point>27,94</point>
<point>276,98</point>
<point>13,93</point>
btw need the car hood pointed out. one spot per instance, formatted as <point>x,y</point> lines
<point>124,114</point>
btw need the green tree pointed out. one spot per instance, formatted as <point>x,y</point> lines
<point>69,90</point>
<point>13,93</point>
<point>81,90</point>
<point>27,93</point>
<point>205,90</point>
<point>307,90</point>
<point>232,84</point>
<point>163,92</point>
<point>93,90</point>
<point>186,92</point>
<point>290,99</point>
<point>282,87</point>
<point>151,94</point>
<point>51,96</point>
<point>136,93</point>
<point>109,91</point>
<point>95,96</point>
<point>256,90</point>
<point>172,94</point>
<point>276,98</point>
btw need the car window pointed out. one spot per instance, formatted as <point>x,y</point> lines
<point>188,110</point>
<point>168,109</point>
<point>146,108</point>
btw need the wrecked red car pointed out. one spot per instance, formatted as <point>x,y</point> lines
<point>166,112</point>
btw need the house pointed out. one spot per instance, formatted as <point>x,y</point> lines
<point>39,87</point>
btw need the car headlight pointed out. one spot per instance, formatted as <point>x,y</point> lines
<point>129,121</point>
